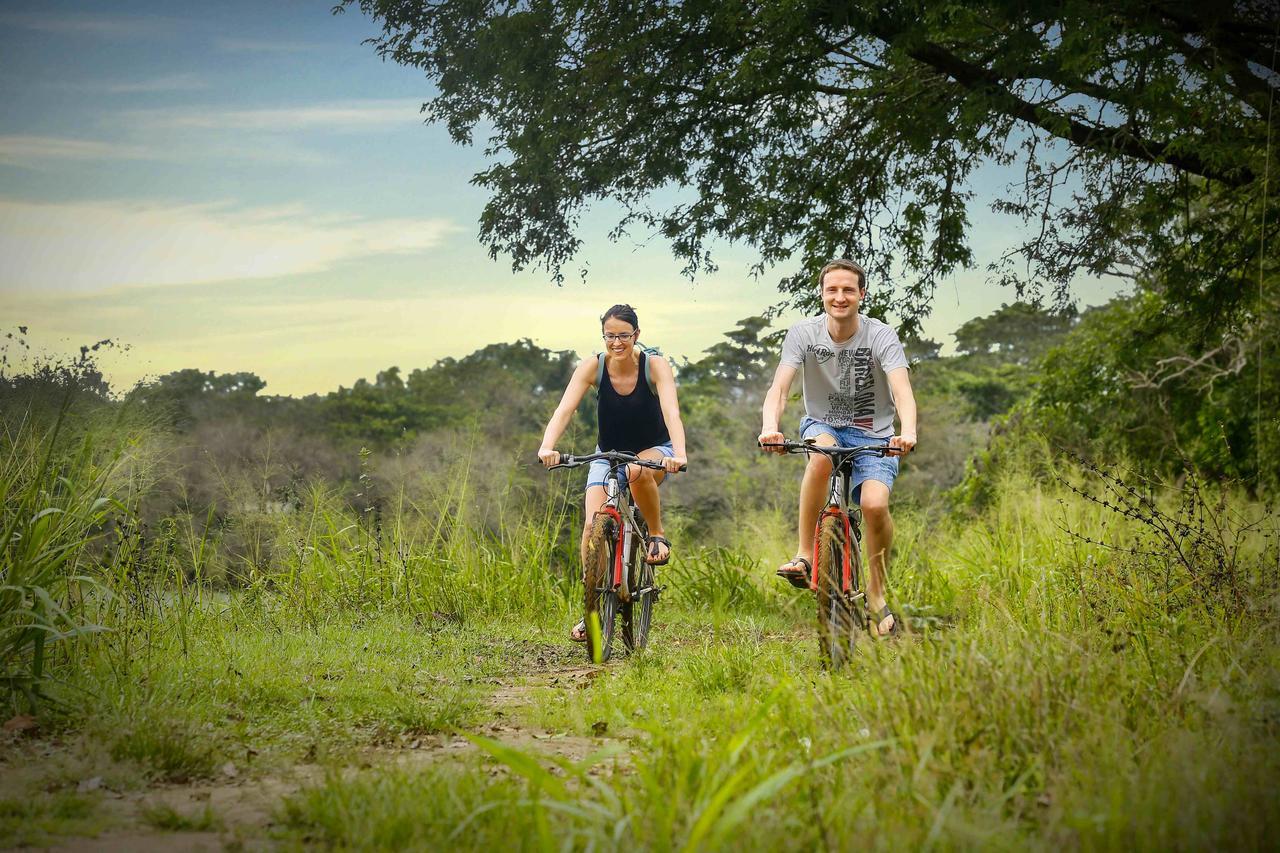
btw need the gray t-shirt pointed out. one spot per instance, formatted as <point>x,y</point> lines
<point>846,384</point>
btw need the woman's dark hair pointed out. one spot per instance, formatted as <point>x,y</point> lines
<point>625,313</point>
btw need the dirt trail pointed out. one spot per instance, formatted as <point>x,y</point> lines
<point>245,807</point>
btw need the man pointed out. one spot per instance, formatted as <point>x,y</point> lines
<point>855,379</point>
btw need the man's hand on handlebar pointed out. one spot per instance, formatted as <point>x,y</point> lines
<point>768,438</point>
<point>901,445</point>
<point>548,457</point>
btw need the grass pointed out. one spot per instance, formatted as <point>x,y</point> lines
<point>1061,687</point>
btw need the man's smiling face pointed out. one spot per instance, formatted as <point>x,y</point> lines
<point>842,293</point>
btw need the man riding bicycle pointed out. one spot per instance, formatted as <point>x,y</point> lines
<point>637,411</point>
<point>855,379</point>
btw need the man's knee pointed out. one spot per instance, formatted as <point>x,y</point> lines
<point>819,465</point>
<point>875,511</point>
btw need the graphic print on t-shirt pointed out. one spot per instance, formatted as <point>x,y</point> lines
<point>854,402</point>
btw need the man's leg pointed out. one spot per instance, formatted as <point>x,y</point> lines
<point>877,536</point>
<point>644,489</point>
<point>813,494</point>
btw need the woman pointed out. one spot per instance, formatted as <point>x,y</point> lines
<point>632,415</point>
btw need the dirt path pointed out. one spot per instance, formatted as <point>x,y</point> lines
<point>238,811</point>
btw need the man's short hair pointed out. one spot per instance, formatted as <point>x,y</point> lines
<point>844,264</point>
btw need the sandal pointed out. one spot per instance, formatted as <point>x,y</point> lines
<point>651,544</point>
<point>884,614</point>
<point>579,632</point>
<point>791,572</point>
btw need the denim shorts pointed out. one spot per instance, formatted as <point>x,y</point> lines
<point>865,466</point>
<point>599,469</point>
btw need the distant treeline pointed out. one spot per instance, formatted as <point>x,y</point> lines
<point>1132,381</point>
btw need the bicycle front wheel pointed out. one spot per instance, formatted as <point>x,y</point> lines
<point>600,604</point>
<point>637,614</point>
<point>837,627</point>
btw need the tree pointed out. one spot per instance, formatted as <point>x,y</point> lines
<point>189,395</point>
<point>1017,332</point>
<point>743,358</point>
<point>814,128</point>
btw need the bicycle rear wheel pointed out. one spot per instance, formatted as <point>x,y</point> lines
<point>837,625</point>
<point>600,600</point>
<point>637,614</point>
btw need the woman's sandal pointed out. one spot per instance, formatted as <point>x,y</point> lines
<point>878,618</point>
<point>651,550</point>
<point>791,572</point>
<point>579,632</point>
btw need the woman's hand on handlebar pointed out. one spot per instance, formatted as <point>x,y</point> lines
<point>548,457</point>
<point>672,464</point>
<point>768,438</point>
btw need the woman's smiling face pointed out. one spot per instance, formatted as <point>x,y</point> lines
<point>619,336</point>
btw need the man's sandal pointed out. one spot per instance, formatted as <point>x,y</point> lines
<point>878,618</point>
<point>651,550</point>
<point>792,573</point>
<point>579,632</point>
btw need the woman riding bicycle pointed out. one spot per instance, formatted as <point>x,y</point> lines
<point>637,412</point>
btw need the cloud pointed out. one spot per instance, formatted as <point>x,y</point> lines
<point>339,116</point>
<point>244,45</point>
<point>19,150</point>
<point>94,246</point>
<point>91,25</point>
<point>185,82</point>
<point>39,152</point>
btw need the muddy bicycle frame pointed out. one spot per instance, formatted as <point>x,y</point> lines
<point>617,505</point>
<point>839,500</point>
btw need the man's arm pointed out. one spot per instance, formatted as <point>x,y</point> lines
<point>904,400</point>
<point>775,401</point>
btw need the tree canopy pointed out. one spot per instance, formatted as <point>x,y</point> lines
<point>1019,332</point>
<point>813,128</point>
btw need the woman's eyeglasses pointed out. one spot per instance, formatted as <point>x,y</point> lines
<point>624,337</point>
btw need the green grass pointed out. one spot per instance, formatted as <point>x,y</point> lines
<point>167,818</point>
<point>32,821</point>
<point>1063,686</point>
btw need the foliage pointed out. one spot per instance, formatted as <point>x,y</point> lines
<point>1138,380</point>
<point>810,129</point>
<point>189,395</point>
<point>1019,332</point>
<point>53,506</point>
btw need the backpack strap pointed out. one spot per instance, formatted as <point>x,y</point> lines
<point>645,354</point>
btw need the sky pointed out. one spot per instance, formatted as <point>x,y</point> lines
<point>240,186</point>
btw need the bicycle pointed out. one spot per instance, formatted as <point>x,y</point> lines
<point>616,577</point>
<point>841,599</point>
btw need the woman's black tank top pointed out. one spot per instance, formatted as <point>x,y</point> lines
<point>631,422</point>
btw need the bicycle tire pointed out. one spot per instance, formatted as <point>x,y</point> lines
<point>599,598</point>
<point>837,625</point>
<point>637,614</point>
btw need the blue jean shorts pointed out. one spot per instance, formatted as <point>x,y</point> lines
<point>865,467</point>
<point>599,469</point>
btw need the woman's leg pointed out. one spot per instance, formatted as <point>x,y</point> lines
<point>644,488</point>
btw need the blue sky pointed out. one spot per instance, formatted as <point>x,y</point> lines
<point>246,186</point>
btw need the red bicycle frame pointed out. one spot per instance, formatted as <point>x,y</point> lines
<point>846,567</point>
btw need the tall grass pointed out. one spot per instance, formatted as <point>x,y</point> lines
<point>55,501</point>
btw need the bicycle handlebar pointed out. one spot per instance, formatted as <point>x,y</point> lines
<point>804,447</point>
<point>568,460</point>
